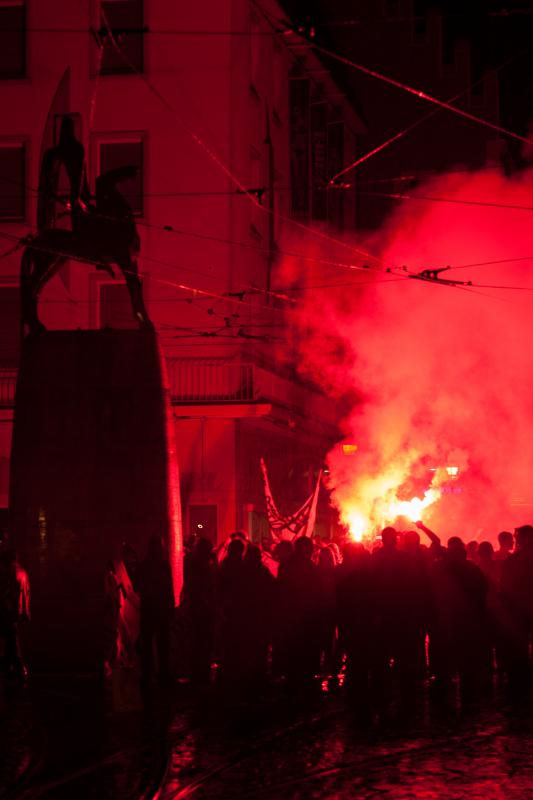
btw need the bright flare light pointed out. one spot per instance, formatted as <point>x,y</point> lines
<point>412,509</point>
<point>357,525</point>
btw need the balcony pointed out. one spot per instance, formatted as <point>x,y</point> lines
<point>220,381</point>
<point>205,381</point>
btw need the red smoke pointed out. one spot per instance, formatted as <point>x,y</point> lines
<point>437,376</point>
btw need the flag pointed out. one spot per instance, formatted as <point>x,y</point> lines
<point>291,526</point>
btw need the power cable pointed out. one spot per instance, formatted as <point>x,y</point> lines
<point>184,287</point>
<point>491,263</point>
<point>205,236</point>
<point>422,95</point>
<point>214,156</point>
<point>432,199</point>
<point>406,87</point>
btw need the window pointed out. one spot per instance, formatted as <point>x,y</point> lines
<point>9,326</point>
<point>125,18</point>
<point>12,39</point>
<point>115,307</point>
<point>114,154</point>
<point>12,181</point>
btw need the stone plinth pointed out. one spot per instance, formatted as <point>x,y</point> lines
<point>93,465</point>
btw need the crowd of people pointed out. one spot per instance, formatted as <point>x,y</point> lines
<point>387,616</point>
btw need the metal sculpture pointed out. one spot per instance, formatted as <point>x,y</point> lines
<point>103,234</point>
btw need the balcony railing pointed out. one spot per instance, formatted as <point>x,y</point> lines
<point>198,381</point>
<point>220,381</point>
<point>210,381</point>
<point>8,382</point>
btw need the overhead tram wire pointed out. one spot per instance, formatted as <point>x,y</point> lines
<point>419,93</point>
<point>331,54</point>
<point>220,163</point>
<point>231,298</point>
<point>235,180</point>
<point>429,199</point>
<point>428,175</point>
<point>400,134</point>
<point>208,237</point>
<point>492,263</point>
<point>228,298</point>
<point>214,156</point>
<point>310,42</point>
<point>441,104</point>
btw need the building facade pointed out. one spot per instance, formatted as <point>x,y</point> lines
<point>418,46</point>
<point>234,130</point>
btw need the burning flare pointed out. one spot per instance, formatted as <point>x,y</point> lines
<point>366,516</point>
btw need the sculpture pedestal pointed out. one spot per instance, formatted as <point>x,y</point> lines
<point>93,465</point>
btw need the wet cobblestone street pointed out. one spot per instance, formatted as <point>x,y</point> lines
<point>64,744</point>
<point>326,755</point>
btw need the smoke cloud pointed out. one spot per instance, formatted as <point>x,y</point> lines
<point>435,376</point>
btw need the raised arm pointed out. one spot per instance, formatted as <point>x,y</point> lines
<point>434,539</point>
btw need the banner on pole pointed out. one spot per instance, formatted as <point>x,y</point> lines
<point>290,526</point>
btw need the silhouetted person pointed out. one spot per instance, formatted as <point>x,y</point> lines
<point>231,598</point>
<point>326,590</point>
<point>130,558</point>
<point>487,563</point>
<point>258,593</point>
<point>112,605</point>
<point>418,563</point>
<point>506,543</point>
<point>472,551</point>
<point>355,618</point>
<point>435,546</point>
<point>282,553</point>
<point>517,598</point>
<point>459,627</point>
<point>491,570</point>
<point>156,592</point>
<point>198,602</point>
<point>298,588</point>
<point>401,603</point>
<point>14,608</point>
<point>126,569</point>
